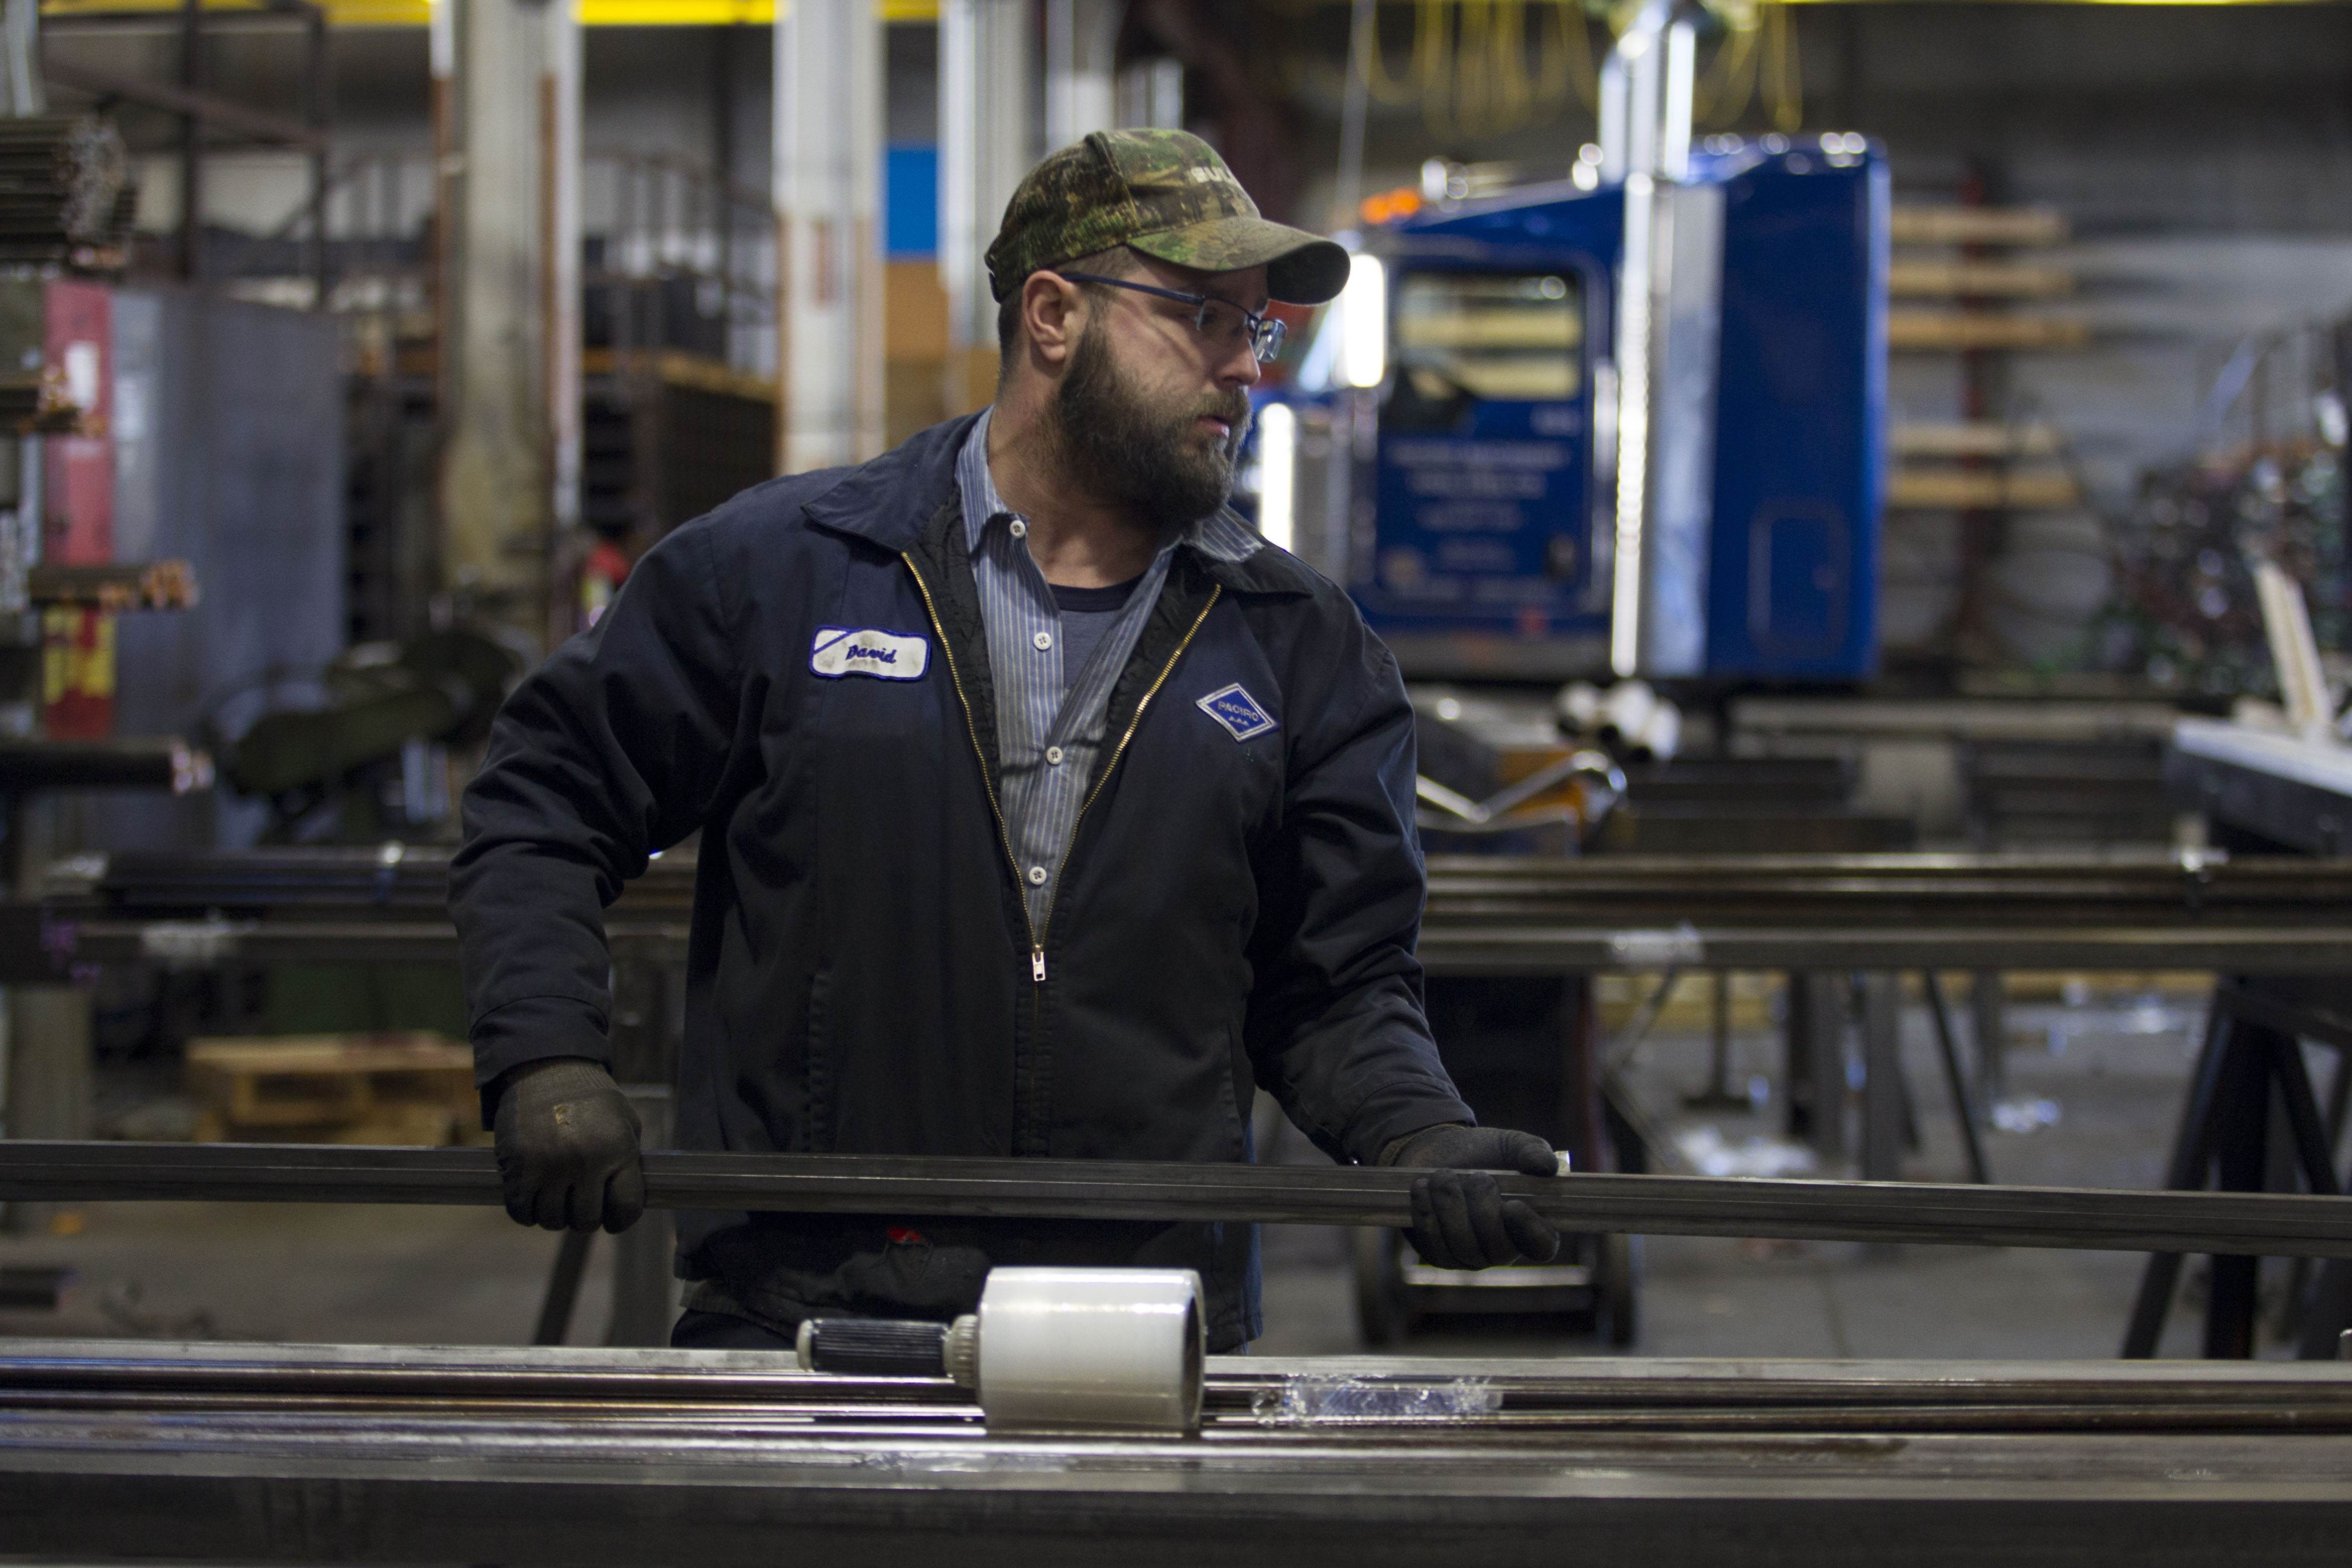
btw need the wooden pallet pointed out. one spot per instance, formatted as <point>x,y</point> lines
<point>1946,329</point>
<point>1979,225</point>
<point>1972,438</point>
<point>1965,488</point>
<point>1912,280</point>
<point>404,1088</point>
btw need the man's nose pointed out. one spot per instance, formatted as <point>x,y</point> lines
<point>1238,367</point>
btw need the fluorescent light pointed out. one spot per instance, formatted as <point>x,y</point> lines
<point>1277,470</point>
<point>1364,323</point>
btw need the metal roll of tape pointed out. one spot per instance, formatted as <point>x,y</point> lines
<point>1091,1350</point>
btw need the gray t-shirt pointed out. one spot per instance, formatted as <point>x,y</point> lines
<point>1086,617</point>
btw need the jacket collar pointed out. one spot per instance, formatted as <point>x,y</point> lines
<point>1265,570</point>
<point>890,499</point>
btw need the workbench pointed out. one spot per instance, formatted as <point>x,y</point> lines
<point>368,1455</point>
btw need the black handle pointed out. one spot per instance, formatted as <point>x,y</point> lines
<point>877,1347</point>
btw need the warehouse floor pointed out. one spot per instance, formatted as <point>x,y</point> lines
<point>299,1272</point>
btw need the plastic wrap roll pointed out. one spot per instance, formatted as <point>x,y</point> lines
<point>1661,738</point>
<point>1626,710</point>
<point>1579,705</point>
<point>1091,1350</point>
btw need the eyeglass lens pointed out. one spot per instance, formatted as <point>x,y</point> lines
<point>1223,321</point>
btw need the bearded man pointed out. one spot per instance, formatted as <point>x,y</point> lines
<point>1045,810</point>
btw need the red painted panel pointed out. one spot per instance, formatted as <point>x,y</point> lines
<point>77,471</point>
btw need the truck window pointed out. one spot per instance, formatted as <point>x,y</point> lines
<point>1494,336</point>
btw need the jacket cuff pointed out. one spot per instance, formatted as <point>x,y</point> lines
<point>1399,1113</point>
<point>534,1029</point>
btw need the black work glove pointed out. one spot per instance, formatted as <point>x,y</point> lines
<point>1460,1217</point>
<point>567,1147</point>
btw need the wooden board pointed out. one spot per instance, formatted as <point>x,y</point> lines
<point>1982,329</point>
<point>1979,225</point>
<point>1977,438</point>
<point>1973,490</point>
<point>1977,280</point>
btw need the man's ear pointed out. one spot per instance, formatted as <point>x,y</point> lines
<point>1053,314</point>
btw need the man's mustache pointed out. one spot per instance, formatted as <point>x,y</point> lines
<point>1233,409</point>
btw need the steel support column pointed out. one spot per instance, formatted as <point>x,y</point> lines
<point>987,142</point>
<point>828,181</point>
<point>1081,81</point>
<point>496,516</point>
<point>559,145</point>
<point>191,144</point>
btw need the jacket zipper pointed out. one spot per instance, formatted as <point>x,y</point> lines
<point>971,728</point>
<point>1003,833</point>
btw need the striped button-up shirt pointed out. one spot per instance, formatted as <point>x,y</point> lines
<point>1049,726</point>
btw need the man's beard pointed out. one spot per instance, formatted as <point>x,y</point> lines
<point>1119,448</point>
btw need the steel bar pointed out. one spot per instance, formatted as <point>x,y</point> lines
<point>1487,915</point>
<point>133,763</point>
<point>1551,949</point>
<point>1596,891</point>
<point>1531,950</point>
<point>2233,1223</point>
<point>207,108</point>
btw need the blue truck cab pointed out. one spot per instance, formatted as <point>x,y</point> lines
<point>1465,488</point>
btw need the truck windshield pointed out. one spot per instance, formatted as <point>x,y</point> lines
<point>1502,336</point>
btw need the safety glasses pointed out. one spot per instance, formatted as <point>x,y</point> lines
<point>1219,321</point>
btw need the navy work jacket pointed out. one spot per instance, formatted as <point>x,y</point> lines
<point>1239,905</point>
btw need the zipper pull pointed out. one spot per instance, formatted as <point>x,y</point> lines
<point>1037,965</point>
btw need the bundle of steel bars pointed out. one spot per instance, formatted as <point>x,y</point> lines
<point>2268,915</point>
<point>66,191</point>
<point>382,1454</point>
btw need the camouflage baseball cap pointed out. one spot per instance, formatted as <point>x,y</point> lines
<point>1166,194</point>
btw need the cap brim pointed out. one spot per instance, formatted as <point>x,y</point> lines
<point>1301,268</point>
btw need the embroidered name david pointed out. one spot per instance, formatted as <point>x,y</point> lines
<point>868,651</point>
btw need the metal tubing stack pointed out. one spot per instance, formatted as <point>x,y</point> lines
<point>2246,914</point>
<point>230,1452</point>
<point>66,193</point>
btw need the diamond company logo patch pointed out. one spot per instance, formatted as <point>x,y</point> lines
<point>1238,711</point>
<point>886,655</point>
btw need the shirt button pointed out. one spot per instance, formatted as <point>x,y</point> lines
<point>1020,530</point>
<point>1044,640</point>
<point>1053,756</point>
<point>1037,876</point>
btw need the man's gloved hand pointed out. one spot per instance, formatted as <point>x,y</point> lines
<point>567,1147</point>
<point>1460,1217</point>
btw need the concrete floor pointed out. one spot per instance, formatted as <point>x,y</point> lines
<point>299,1272</point>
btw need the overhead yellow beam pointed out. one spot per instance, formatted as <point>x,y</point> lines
<point>2209,3</point>
<point>593,13</point>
